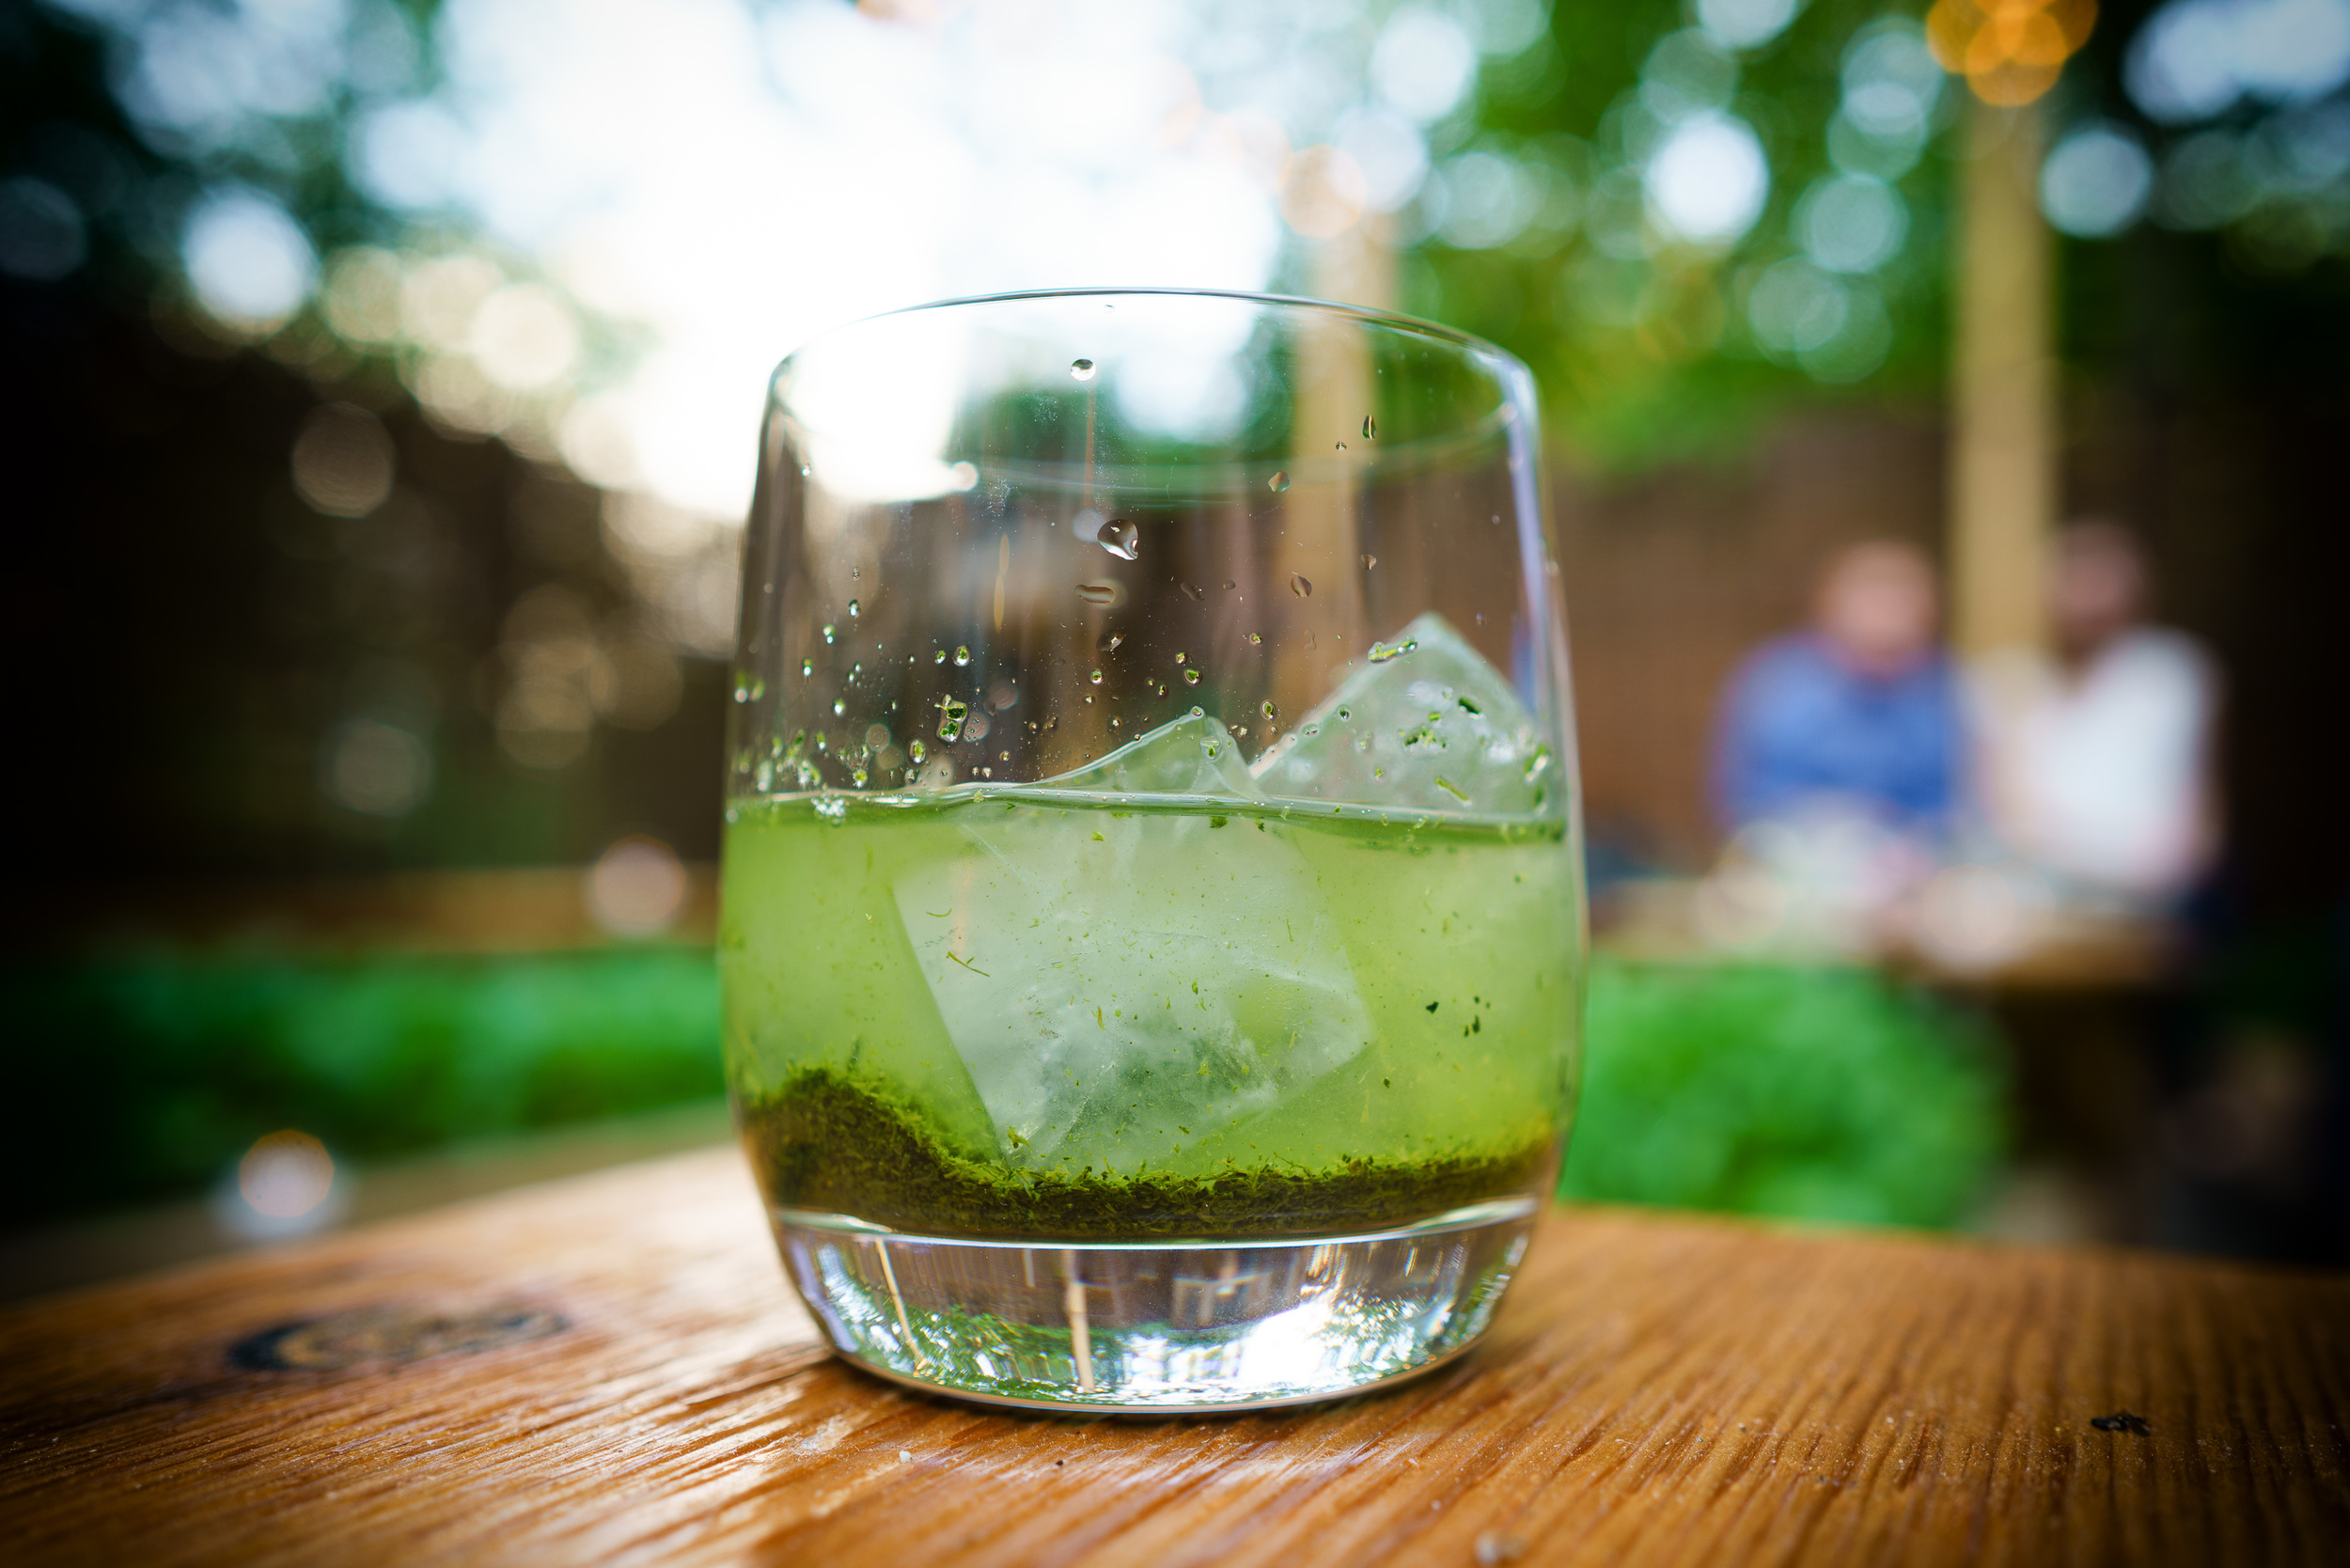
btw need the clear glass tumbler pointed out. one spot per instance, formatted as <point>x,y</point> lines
<point>1154,925</point>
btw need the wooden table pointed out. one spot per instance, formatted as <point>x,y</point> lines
<point>610,1369</point>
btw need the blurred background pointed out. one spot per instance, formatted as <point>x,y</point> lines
<point>1939,405</point>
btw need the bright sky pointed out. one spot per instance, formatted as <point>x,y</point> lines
<point>737,183</point>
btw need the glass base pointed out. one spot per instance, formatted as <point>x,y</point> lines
<point>1140,1326</point>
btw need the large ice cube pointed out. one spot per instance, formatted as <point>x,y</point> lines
<point>1429,725</point>
<point>1194,755</point>
<point>1120,985</point>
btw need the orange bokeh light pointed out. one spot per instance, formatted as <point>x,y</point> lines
<point>2010,50</point>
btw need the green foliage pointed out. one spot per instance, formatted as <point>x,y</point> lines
<point>1641,344</point>
<point>1816,1093</point>
<point>1827,1094</point>
<point>139,1078</point>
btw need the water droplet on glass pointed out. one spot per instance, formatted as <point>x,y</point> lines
<point>828,630</point>
<point>1280,481</point>
<point>1194,591</point>
<point>854,573</point>
<point>1112,723</point>
<point>833,808</point>
<point>1240,732</point>
<point>941,658</point>
<point>917,750</point>
<point>1081,369</point>
<point>1341,446</point>
<point>1230,584</point>
<point>1370,562</point>
<point>1266,707</point>
<point>950,718</point>
<point>1381,652</point>
<point>807,667</point>
<point>962,656</point>
<point>1253,640</point>
<point>1346,713</point>
<point>1313,730</point>
<point>1095,677</point>
<point>839,708</point>
<point>1119,538</point>
<point>1370,428</point>
<point>859,777</point>
<point>741,694</point>
<point>1098,593</point>
<point>1191,676</point>
<point>1300,586</point>
<point>852,609</point>
<point>1162,688</point>
<point>1179,655</point>
<point>1112,646</point>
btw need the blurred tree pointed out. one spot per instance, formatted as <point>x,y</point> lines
<point>1686,219</point>
<point>1689,214</point>
<point>273,611</point>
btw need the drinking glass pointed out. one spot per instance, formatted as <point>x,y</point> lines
<point>1153,929</point>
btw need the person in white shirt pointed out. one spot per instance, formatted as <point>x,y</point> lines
<point>2096,765</point>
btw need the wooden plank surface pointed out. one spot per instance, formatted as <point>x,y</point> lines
<point>611,1370</point>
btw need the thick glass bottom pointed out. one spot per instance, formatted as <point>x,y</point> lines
<point>1141,1327</point>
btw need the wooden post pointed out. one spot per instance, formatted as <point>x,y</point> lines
<point>1334,394</point>
<point>2002,392</point>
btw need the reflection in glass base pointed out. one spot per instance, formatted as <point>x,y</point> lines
<point>1156,1325</point>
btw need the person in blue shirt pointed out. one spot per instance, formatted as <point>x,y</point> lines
<point>1864,712</point>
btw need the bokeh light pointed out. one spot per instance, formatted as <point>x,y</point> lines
<point>637,888</point>
<point>2194,60</point>
<point>2095,182</point>
<point>343,461</point>
<point>2010,52</point>
<point>285,1185</point>
<point>1708,178</point>
<point>250,264</point>
<point>1853,223</point>
<point>1745,23</point>
<point>377,769</point>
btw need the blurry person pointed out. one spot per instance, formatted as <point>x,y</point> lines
<point>1860,715</point>
<point>2096,765</point>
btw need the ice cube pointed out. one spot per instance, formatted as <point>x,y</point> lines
<point>1194,755</point>
<point>1426,724</point>
<point>1120,984</point>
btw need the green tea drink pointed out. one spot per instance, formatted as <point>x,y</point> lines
<point>1159,998</point>
<point>1014,1014</point>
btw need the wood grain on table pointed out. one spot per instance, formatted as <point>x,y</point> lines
<point>611,1369</point>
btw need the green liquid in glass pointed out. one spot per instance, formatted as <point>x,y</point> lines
<point>1025,1012</point>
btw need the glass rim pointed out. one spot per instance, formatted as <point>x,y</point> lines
<point>1364,314</point>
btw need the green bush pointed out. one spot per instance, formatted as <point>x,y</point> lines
<point>1816,1093</point>
<point>1812,1094</point>
<point>143,1078</point>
